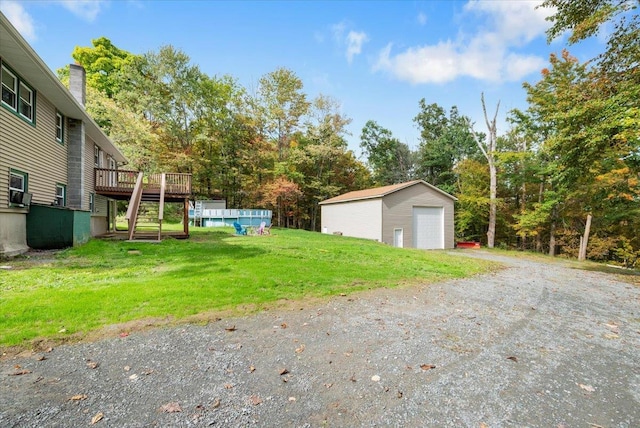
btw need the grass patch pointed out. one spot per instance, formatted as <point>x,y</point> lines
<point>103,283</point>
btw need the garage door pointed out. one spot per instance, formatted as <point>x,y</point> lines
<point>428,227</point>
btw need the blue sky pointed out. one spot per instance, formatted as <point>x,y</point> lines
<point>378,59</point>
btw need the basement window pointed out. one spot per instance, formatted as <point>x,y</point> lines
<point>61,195</point>
<point>18,182</point>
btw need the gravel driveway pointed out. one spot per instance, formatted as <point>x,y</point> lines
<point>537,344</point>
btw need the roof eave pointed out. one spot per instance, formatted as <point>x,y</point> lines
<point>17,52</point>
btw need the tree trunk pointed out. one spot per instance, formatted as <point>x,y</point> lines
<point>552,234</point>
<point>538,236</point>
<point>491,232</point>
<point>488,150</point>
<point>582,255</point>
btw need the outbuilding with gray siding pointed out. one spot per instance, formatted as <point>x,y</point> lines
<point>414,214</point>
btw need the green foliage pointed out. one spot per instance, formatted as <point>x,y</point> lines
<point>113,282</point>
<point>444,143</point>
<point>390,160</point>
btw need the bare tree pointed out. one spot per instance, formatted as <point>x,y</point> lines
<point>488,149</point>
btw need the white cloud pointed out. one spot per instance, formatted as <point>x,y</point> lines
<point>85,9</point>
<point>338,31</point>
<point>19,18</point>
<point>487,54</point>
<point>355,40</point>
<point>422,18</point>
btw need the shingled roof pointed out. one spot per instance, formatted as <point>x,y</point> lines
<point>379,192</point>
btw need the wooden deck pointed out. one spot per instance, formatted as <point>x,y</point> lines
<point>119,184</point>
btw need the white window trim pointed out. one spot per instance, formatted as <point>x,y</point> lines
<point>59,127</point>
<point>22,177</point>
<point>92,202</point>
<point>25,180</point>
<point>63,196</point>
<point>97,158</point>
<point>25,89</point>
<point>13,90</point>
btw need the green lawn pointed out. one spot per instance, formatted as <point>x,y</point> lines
<point>104,283</point>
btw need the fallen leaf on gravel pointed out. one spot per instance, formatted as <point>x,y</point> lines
<point>127,368</point>
<point>587,388</point>
<point>426,367</point>
<point>347,354</point>
<point>133,377</point>
<point>41,358</point>
<point>49,350</point>
<point>78,397</point>
<point>92,364</point>
<point>124,334</point>
<point>483,425</point>
<point>399,394</point>
<point>255,400</point>
<point>283,372</point>
<point>147,372</point>
<point>300,349</point>
<point>612,326</point>
<point>375,378</point>
<point>232,328</point>
<point>328,385</point>
<point>252,369</point>
<point>283,325</point>
<point>216,403</point>
<point>97,418</point>
<point>352,378</point>
<point>172,407</point>
<point>515,359</point>
<point>20,373</point>
<point>292,398</point>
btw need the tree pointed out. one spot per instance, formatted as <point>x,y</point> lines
<point>317,154</point>
<point>444,142</point>
<point>584,19</point>
<point>592,153</point>
<point>280,106</point>
<point>390,160</point>
<point>488,149</point>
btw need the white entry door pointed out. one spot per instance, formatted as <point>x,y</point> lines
<point>398,238</point>
<point>428,228</point>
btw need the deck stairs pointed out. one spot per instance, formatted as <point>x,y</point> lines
<point>146,211</point>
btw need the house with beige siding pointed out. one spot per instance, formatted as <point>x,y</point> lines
<point>49,147</point>
<point>414,214</point>
<point>60,175</point>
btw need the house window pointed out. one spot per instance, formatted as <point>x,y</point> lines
<point>17,95</point>
<point>9,89</point>
<point>59,128</point>
<point>61,195</point>
<point>18,186</point>
<point>26,102</point>
<point>92,202</point>
<point>96,156</point>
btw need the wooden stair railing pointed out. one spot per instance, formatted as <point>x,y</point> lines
<point>163,186</point>
<point>134,205</point>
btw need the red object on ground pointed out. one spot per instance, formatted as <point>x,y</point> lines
<point>468,244</point>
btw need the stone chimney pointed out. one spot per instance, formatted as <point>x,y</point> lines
<point>78,82</point>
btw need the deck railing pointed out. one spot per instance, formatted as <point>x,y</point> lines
<point>123,181</point>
